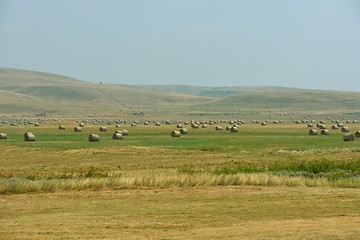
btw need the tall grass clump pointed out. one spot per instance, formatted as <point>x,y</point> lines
<point>167,180</point>
<point>345,173</point>
<point>17,186</point>
<point>330,169</point>
<point>277,173</point>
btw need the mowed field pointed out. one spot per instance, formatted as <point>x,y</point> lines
<point>262,182</point>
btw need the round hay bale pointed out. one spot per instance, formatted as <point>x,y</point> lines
<point>61,127</point>
<point>103,129</point>
<point>29,137</point>
<point>234,129</point>
<point>357,134</point>
<point>313,132</point>
<point>184,131</point>
<point>345,129</point>
<point>179,126</point>
<point>3,136</point>
<point>340,124</point>
<point>325,132</point>
<point>218,128</point>
<point>321,126</point>
<point>157,124</point>
<point>334,127</point>
<point>204,126</point>
<point>119,131</point>
<point>175,134</point>
<point>263,123</point>
<point>125,132</point>
<point>77,129</point>
<point>117,136</point>
<point>94,138</point>
<point>195,126</point>
<point>348,137</point>
<point>133,125</point>
<point>36,124</point>
<point>81,125</point>
<point>310,125</point>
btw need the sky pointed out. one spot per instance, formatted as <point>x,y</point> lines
<point>312,44</point>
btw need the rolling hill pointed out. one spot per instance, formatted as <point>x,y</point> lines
<point>36,92</point>
<point>30,92</point>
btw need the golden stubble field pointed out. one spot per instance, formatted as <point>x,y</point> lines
<point>152,186</point>
<point>184,213</point>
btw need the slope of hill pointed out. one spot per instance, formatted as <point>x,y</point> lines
<point>216,92</point>
<point>29,92</point>
<point>296,100</point>
<point>38,92</point>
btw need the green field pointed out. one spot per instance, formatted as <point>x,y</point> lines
<point>263,182</point>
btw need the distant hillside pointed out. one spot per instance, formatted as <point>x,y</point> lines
<point>295,100</point>
<point>268,98</point>
<point>29,92</point>
<point>215,92</point>
<point>36,92</point>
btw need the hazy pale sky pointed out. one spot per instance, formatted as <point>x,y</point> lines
<point>307,44</point>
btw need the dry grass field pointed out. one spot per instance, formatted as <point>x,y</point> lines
<point>184,213</point>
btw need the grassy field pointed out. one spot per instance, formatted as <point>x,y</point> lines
<point>263,182</point>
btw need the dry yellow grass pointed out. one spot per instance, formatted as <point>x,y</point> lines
<point>184,213</point>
